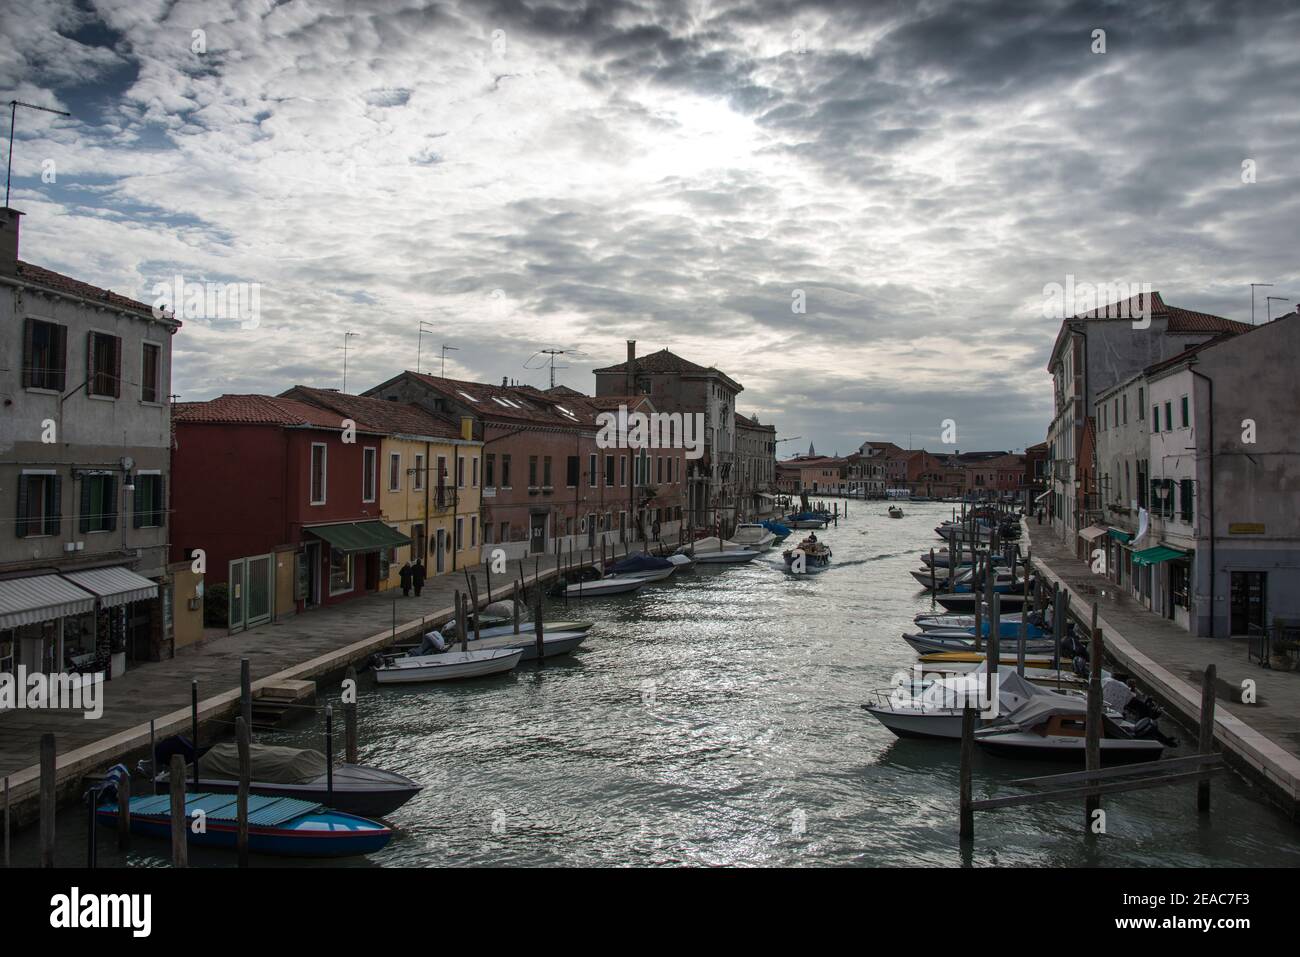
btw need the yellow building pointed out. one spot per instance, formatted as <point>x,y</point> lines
<point>430,480</point>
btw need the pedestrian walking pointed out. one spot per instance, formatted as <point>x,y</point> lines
<point>417,576</point>
<point>404,576</point>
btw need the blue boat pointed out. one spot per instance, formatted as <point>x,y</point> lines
<point>777,529</point>
<point>282,826</point>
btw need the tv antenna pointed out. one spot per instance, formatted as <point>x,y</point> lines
<point>550,359</point>
<point>13,116</point>
<point>1253,286</point>
<point>419,340</point>
<point>346,337</point>
<point>445,350</point>
<point>1268,308</point>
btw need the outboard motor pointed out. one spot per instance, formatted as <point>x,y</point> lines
<point>1082,667</point>
<point>1148,729</point>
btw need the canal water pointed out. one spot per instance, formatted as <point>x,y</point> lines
<point>714,719</point>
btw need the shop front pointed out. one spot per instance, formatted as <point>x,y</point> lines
<point>353,558</point>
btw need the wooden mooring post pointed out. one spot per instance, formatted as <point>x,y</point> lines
<point>1092,731</point>
<point>6,820</point>
<point>967,825</point>
<point>124,813</point>
<point>179,823</point>
<point>48,805</point>
<point>517,598</point>
<point>245,692</point>
<point>473,598</point>
<point>194,726</point>
<point>538,631</point>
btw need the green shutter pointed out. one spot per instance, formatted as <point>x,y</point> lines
<point>83,520</point>
<point>54,506</point>
<point>137,506</point>
<point>20,526</point>
<point>110,502</point>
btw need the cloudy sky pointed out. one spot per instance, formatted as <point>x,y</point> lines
<point>555,174</point>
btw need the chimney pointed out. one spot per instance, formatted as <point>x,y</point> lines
<point>504,382</point>
<point>9,241</point>
<point>631,367</point>
<point>467,428</point>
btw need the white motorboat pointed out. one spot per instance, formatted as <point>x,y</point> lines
<point>713,551</point>
<point>929,642</point>
<point>553,642</point>
<point>1053,729</point>
<point>447,666</point>
<point>448,630</point>
<point>602,587</point>
<point>935,711</point>
<point>752,535</point>
<point>965,601</point>
<point>932,622</point>
<point>895,512</point>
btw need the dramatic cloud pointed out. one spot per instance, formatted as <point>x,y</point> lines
<point>563,174</point>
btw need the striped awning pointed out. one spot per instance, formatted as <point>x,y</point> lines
<point>26,601</point>
<point>114,585</point>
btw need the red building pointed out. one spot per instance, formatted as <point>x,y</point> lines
<point>278,502</point>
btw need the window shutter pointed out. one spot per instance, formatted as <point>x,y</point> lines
<point>110,501</point>
<point>117,368</point>
<point>90,363</point>
<point>20,526</point>
<point>28,348</point>
<point>54,512</point>
<point>61,357</point>
<point>83,521</point>
<point>137,515</point>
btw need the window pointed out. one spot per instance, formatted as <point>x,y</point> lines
<point>1124,407</point>
<point>1185,500</point>
<point>532,471</point>
<point>369,473</point>
<point>460,533</point>
<point>394,471</point>
<point>659,469</point>
<point>1169,416</point>
<point>609,471</point>
<point>45,356</point>
<point>474,473</point>
<point>505,471</point>
<point>440,481</point>
<point>592,470</point>
<point>571,472</point>
<point>1114,417</point>
<point>98,503</point>
<point>546,471</point>
<point>490,470</point>
<point>622,470</point>
<point>318,473</point>
<point>150,366</point>
<point>104,365</point>
<point>505,533</point>
<point>473,530</point>
<point>418,483</point>
<point>149,509</point>
<point>40,498</point>
<point>1183,403</point>
<point>487,533</point>
<point>1142,404</point>
<point>460,472</point>
<point>340,572</point>
<point>1155,418</point>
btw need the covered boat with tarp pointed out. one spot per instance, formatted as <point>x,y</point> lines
<point>292,772</point>
<point>642,565</point>
<point>781,532</point>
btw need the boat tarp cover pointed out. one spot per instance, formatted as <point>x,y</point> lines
<point>271,764</point>
<point>776,528</point>
<point>1041,707</point>
<point>639,563</point>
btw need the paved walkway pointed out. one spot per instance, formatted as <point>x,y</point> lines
<point>298,647</point>
<point>1263,737</point>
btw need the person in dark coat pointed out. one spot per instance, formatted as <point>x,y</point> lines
<point>417,576</point>
<point>405,577</point>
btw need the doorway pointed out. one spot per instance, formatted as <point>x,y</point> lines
<point>1247,602</point>
<point>440,550</point>
<point>536,534</point>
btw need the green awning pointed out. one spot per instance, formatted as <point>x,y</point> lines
<point>354,537</point>
<point>1119,536</point>
<point>1156,555</point>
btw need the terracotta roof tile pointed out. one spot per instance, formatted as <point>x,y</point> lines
<point>259,410</point>
<point>380,414</point>
<point>57,281</point>
<point>511,403</point>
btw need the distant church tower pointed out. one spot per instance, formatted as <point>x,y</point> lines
<point>811,452</point>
